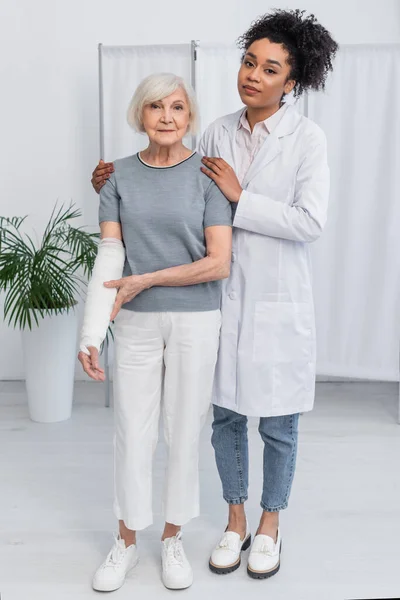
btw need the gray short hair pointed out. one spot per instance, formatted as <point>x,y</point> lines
<point>153,89</point>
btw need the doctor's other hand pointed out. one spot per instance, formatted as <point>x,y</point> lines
<point>128,288</point>
<point>101,174</point>
<point>224,176</point>
<point>90,364</point>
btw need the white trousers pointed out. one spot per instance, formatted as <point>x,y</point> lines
<point>169,356</point>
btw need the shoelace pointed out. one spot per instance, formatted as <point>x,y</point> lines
<point>116,555</point>
<point>175,551</point>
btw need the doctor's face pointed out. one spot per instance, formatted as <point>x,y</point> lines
<point>264,75</point>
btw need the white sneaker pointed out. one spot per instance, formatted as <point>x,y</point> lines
<point>120,560</point>
<point>264,557</point>
<point>177,573</point>
<point>225,557</point>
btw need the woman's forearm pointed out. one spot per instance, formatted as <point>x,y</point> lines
<point>201,271</point>
<point>100,300</point>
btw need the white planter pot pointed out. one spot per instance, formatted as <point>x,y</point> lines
<point>49,356</point>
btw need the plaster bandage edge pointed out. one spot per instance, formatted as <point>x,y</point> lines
<point>109,264</point>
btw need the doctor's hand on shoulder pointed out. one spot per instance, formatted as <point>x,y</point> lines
<point>224,176</point>
<point>128,289</point>
<point>100,175</point>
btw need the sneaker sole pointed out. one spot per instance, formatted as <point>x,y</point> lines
<point>230,568</point>
<point>182,586</point>
<point>113,588</point>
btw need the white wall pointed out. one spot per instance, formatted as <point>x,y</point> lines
<point>49,93</point>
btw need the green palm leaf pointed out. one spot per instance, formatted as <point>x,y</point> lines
<point>42,280</point>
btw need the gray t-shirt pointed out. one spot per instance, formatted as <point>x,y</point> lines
<point>163,213</point>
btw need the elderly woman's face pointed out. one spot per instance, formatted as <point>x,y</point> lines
<point>166,121</point>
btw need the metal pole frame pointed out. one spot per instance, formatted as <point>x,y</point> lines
<point>306,104</point>
<point>193,44</point>
<point>101,128</point>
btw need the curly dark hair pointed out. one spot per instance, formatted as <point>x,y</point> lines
<point>310,46</point>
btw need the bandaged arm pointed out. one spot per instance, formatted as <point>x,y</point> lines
<point>108,265</point>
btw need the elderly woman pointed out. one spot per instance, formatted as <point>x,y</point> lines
<point>166,227</point>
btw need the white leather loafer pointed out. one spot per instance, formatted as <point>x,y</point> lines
<point>225,557</point>
<point>264,558</point>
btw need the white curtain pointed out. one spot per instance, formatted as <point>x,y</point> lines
<point>122,69</point>
<point>217,66</point>
<point>357,260</point>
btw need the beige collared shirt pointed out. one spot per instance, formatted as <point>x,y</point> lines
<point>249,143</point>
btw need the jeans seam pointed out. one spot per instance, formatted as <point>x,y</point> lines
<point>291,474</point>
<point>238,461</point>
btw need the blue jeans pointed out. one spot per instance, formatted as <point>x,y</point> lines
<point>229,440</point>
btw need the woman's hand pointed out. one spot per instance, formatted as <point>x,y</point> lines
<point>90,364</point>
<point>224,176</point>
<point>101,174</point>
<point>128,288</point>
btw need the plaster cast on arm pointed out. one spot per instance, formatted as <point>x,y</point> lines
<point>108,265</point>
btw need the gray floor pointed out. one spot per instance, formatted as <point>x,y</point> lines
<point>340,535</point>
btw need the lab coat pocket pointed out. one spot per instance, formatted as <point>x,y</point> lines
<point>284,353</point>
<point>283,333</point>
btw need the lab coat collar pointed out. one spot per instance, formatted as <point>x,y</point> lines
<point>269,124</point>
<point>287,124</point>
<point>270,148</point>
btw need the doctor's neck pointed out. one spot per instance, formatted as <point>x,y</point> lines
<point>256,115</point>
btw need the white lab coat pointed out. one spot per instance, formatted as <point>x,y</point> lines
<point>267,356</point>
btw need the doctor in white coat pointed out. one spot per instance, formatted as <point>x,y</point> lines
<point>271,163</point>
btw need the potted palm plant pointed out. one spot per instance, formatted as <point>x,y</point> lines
<point>42,282</point>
